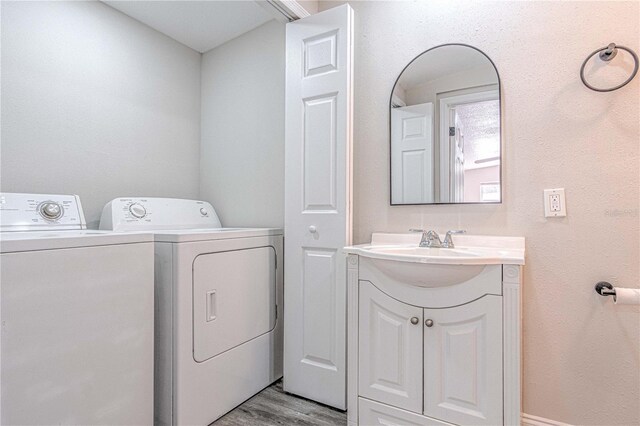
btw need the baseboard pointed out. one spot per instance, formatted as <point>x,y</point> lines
<point>529,420</point>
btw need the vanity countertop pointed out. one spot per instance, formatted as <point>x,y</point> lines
<point>468,250</point>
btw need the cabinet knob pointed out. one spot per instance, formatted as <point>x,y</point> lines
<point>415,320</point>
<point>429,323</point>
<point>313,229</point>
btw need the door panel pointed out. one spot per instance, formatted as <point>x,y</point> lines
<point>372,413</point>
<point>463,363</point>
<point>232,303</point>
<point>390,349</point>
<point>317,203</point>
<point>320,293</point>
<point>320,154</point>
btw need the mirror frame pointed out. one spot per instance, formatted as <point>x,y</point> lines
<point>501,139</point>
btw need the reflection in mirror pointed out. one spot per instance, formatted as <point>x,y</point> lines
<point>445,129</point>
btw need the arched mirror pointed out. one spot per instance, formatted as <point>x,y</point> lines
<point>445,129</point>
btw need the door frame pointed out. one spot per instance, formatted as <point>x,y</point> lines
<point>446,103</point>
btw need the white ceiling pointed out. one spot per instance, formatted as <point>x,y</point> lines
<point>201,25</point>
<point>440,62</point>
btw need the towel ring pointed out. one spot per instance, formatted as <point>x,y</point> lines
<point>606,54</point>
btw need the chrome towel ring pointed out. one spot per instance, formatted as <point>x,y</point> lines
<point>606,54</point>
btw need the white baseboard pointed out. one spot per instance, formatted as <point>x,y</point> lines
<point>529,420</point>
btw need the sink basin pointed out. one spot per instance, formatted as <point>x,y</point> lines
<point>426,251</point>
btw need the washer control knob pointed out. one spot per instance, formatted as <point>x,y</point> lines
<point>204,211</point>
<point>137,210</point>
<point>51,210</point>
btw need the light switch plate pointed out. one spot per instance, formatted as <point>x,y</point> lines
<point>554,203</point>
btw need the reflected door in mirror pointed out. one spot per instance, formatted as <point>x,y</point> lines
<point>412,154</point>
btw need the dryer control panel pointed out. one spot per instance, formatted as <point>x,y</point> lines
<point>31,212</point>
<point>139,214</point>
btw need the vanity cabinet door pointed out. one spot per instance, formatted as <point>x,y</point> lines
<point>463,362</point>
<point>390,350</point>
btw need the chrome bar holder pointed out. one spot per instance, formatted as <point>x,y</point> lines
<point>604,288</point>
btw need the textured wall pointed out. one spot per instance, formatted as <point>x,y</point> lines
<point>97,104</point>
<point>242,161</point>
<point>581,354</point>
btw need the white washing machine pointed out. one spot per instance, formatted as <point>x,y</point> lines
<point>77,317</point>
<point>219,329</point>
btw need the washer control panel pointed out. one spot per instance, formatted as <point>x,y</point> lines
<point>136,213</point>
<point>30,212</point>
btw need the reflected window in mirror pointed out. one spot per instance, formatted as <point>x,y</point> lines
<point>445,124</point>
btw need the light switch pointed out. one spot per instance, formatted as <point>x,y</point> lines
<point>554,203</point>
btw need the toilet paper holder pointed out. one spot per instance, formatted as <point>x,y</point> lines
<point>604,288</point>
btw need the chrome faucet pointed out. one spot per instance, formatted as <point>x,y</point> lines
<point>448,241</point>
<point>429,238</point>
<point>432,239</point>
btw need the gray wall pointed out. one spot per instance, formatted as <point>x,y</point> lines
<point>242,151</point>
<point>557,134</point>
<point>97,104</point>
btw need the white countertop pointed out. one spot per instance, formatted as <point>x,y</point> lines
<point>469,250</point>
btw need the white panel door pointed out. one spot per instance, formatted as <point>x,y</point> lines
<point>412,154</point>
<point>390,349</point>
<point>317,203</point>
<point>463,362</point>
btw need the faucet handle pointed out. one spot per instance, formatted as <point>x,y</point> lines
<point>448,241</point>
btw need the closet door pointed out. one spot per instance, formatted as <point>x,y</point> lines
<point>463,362</point>
<point>317,203</point>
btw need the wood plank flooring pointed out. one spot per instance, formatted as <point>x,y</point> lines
<point>274,407</point>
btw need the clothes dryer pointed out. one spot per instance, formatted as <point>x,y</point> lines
<point>218,292</point>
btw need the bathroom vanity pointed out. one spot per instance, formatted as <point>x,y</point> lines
<point>434,334</point>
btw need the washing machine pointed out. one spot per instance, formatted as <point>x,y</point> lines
<point>218,292</point>
<point>76,310</point>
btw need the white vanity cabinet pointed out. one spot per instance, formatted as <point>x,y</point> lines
<point>439,349</point>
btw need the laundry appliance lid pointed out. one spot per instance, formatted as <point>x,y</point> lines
<point>50,240</point>
<point>189,235</point>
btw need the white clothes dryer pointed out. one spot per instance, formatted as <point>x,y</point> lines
<point>219,296</point>
<point>77,317</point>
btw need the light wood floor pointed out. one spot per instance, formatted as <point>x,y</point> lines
<point>274,407</point>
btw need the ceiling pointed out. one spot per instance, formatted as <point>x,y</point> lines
<point>200,25</point>
<point>481,122</point>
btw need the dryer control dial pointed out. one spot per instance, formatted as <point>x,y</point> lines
<point>137,210</point>
<point>50,210</point>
